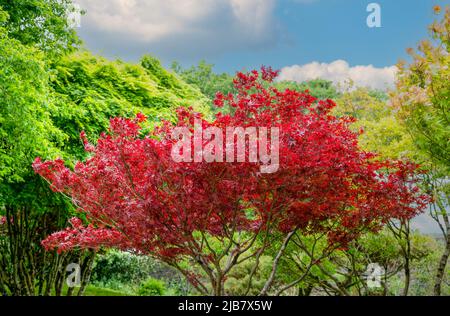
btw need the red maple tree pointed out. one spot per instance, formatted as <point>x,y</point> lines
<point>135,197</point>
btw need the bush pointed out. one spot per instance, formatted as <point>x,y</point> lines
<point>152,287</point>
<point>122,267</point>
<point>125,272</point>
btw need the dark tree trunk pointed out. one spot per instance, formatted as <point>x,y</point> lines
<point>86,270</point>
<point>26,269</point>
<point>443,261</point>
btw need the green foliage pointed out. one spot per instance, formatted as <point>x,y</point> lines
<point>343,271</point>
<point>426,252</point>
<point>319,88</point>
<point>422,100</point>
<point>210,83</point>
<point>122,267</point>
<point>26,129</point>
<point>43,112</point>
<point>97,291</point>
<point>382,131</point>
<point>423,93</point>
<point>125,272</point>
<point>239,278</point>
<point>89,90</point>
<point>203,77</point>
<point>41,23</point>
<point>152,287</point>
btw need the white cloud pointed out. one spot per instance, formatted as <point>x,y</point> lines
<point>145,20</point>
<point>340,71</point>
<point>254,15</point>
<point>170,25</point>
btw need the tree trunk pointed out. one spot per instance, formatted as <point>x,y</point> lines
<point>25,267</point>
<point>443,261</point>
<point>87,271</point>
<point>407,260</point>
<point>276,261</point>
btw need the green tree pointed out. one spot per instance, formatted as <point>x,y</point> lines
<point>88,90</point>
<point>423,90</point>
<point>209,82</point>
<point>203,77</point>
<point>314,269</point>
<point>31,210</point>
<point>382,131</point>
<point>422,101</point>
<point>43,24</point>
<point>319,88</point>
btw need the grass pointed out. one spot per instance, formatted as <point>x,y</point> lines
<point>95,291</point>
<point>98,291</point>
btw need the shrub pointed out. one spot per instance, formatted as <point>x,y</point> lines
<point>125,267</point>
<point>152,287</point>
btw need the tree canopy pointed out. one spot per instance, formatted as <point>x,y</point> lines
<point>42,24</point>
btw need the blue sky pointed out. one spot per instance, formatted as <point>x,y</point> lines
<point>245,34</point>
<point>326,30</point>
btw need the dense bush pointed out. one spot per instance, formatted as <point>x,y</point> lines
<point>152,287</point>
<point>126,272</point>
